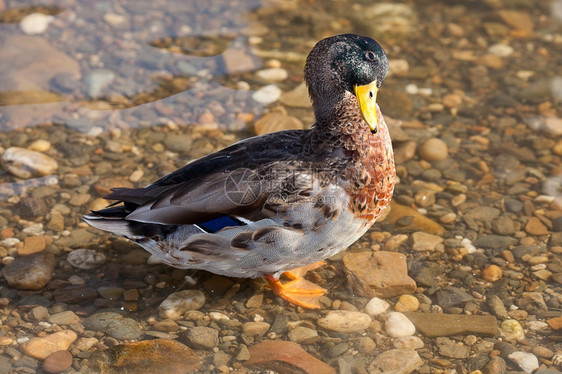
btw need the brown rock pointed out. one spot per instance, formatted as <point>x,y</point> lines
<point>378,274</point>
<point>418,222</point>
<point>438,324</point>
<point>31,272</point>
<point>33,244</point>
<point>535,227</point>
<point>285,358</point>
<point>491,61</point>
<point>42,347</point>
<point>275,121</point>
<point>57,361</point>
<point>555,323</point>
<point>519,20</point>
<point>297,97</point>
<point>157,356</point>
<point>492,273</point>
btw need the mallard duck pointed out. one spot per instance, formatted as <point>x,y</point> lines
<point>271,204</point>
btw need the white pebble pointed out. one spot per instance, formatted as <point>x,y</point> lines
<point>411,89</point>
<point>501,50</point>
<point>218,316</point>
<point>425,91</point>
<point>34,229</point>
<point>273,74</point>
<point>35,23</point>
<point>344,321</point>
<point>526,361</point>
<point>398,325</point>
<point>180,302</point>
<point>408,343</point>
<point>267,95</point>
<point>24,163</point>
<point>376,306</point>
<point>538,325</point>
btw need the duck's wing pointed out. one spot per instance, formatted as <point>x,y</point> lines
<point>228,182</point>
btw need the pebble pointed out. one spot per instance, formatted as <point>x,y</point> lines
<point>298,97</point>
<point>492,273</point>
<point>449,348</point>
<point>267,95</point>
<point>501,50</point>
<point>35,23</point>
<point>42,347</point>
<point>33,244</point>
<point>300,334</point>
<point>57,361</point>
<point>201,337</point>
<point>40,145</point>
<point>407,303</point>
<point>86,259</point>
<point>422,241</point>
<point>525,360</point>
<point>376,306</point>
<point>512,330</point>
<point>345,321</point>
<point>31,272</point>
<point>398,325</point>
<point>177,303</point>
<point>272,74</point>
<point>67,317</point>
<point>255,328</point>
<point>25,163</point>
<point>408,343</point>
<point>114,325</point>
<point>433,149</point>
<point>395,361</point>
<point>497,307</point>
<point>275,121</point>
<point>97,80</point>
<point>84,344</point>
<point>439,324</point>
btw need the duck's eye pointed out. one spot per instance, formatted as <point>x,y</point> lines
<point>370,55</point>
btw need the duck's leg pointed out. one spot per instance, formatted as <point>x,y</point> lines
<point>299,291</point>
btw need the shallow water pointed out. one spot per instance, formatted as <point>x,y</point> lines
<point>122,93</point>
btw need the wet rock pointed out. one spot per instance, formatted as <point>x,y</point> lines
<point>494,241</point>
<point>497,307</point>
<point>74,294</point>
<point>238,61</point>
<point>255,328</point>
<point>378,274</point>
<point>387,19</point>
<point>201,337</point>
<point>512,330</point>
<point>426,273</point>
<point>285,358</point>
<point>31,272</point>
<point>24,163</point>
<point>272,74</point>
<point>437,324</point>
<point>532,302</point>
<point>422,241</point>
<point>535,227</point>
<point>503,225</point>
<point>525,360</point>
<point>492,273</point>
<point>418,222</point>
<point>496,365</point>
<point>395,361</point>
<point>33,244</point>
<point>35,23</point>
<point>86,259</point>
<point>97,80</point>
<point>433,149</point>
<point>407,303</point>
<point>298,97</point>
<point>114,325</point>
<point>57,361</point>
<point>452,296</point>
<point>67,317</point>
<point>449,348</point>
<point>344,321</point>
<point>42,347</point>
<point>157,356</point>
<point>376,306</point>
<point>177,303</point>
<point>179,143</point>
<point>300,334</point>
<point>397,325</point>
<point>267,95</point>
<point>555,323</point>
<point>276,121</point>
<point>408,343</point>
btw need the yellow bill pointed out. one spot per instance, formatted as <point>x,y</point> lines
<point>367,98</point>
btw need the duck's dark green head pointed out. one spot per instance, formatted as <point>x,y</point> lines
<point>347,62</point>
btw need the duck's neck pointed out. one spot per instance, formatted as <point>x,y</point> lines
<point>370,169</point>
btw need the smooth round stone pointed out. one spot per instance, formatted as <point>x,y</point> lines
<point>344,321</point>
<point>40,145</point>
<point>300,334</point>
<point>376,306</point>
<point>273,74</point>
<point>35,23</point>
<point>57,361</point>
<point>64,318</point>
<point>114,325</point>
<point>31,272</point>
<point>42,347</point>
<point>25,163</point>
<point>397,325</point>
<point>492,273</point>
<point>180,302</point>
<point>255,328</point>
<point>408,343</point>
<point>433,149</point>
<point>512,329</point>
<point>525,360</point>
<point>267,95</point>
<point>407,303</point>
<point>85,259</point>
<point>201,337</point>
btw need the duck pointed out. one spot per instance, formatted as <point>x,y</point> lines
<point>277,204</point>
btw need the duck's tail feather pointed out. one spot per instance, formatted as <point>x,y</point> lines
<point>110,219</point>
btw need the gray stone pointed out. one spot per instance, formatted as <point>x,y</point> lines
<point>449,348</point>
<point>494,242</point>
<point>31,272</point>
<point>200,337</point>
<point>114,325</point>
<point>497,307</point>
<point>395,361</point>
<point>179,143</point>
<point>64,318</point>
<point>496,365</point>
<point>452,296</point>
